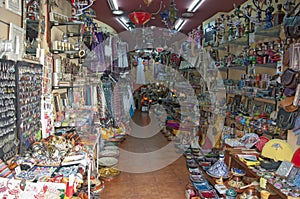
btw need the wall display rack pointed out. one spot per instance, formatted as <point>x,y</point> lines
<point>7,110</point>
<point>28,95</point>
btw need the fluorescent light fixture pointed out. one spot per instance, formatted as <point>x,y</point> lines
<point>179,24</point>
<point>123,22</point>
<point>195,5</point>
<point>113,4</point>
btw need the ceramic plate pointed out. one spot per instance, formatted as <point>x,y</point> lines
<point>208,194</point>
<point>238,172</point>
<point>111,147</point>
<point>197,178</point>
<point>108,161</point>
<point>109,153</point>
<point>195,171</point>
<point>202,186</point>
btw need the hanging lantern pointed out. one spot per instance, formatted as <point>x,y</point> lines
<point>173,12</point>
<point>148,2</point>
<point>139,18</point>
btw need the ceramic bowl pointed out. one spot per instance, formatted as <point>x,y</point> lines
<point>237,172</point>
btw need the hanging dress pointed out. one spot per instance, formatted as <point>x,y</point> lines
<point>140,74</point>
<point>122,55</point>
<point>98,63</point>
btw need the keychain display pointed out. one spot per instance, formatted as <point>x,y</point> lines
<point>7,110</point>
<point>29,92</point>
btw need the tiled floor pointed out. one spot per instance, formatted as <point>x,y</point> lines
<point>166,183</point>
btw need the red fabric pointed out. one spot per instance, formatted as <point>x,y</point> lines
<point>261,143</point>
<point>296,158</point>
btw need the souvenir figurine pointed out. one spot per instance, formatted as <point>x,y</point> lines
<point>268,13</point>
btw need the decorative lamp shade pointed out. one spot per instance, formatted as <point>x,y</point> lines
<point>296,158</point>
<point>139,18</point>
<point>277,149</point>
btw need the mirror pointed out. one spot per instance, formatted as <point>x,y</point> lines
<point>32,21</point>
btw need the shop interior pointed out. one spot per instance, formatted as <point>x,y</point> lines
<point>161,99</point>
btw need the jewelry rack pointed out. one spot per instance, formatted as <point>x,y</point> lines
<point>29,93</point>
<point>8,141</point>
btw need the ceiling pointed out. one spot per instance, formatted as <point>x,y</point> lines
<point>206,10</point>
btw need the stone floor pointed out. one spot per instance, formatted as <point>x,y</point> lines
<point>166,183</point>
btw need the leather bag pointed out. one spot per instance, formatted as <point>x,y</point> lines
<point>287,104</point>
<point>289,92</point>
<point>289,78</point>
<point>286,120</point>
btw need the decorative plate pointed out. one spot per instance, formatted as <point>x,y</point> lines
<point>108,161</point>
<point>197,178</point>
<point>106,173</point>
<point>237,172</point>
<point>195,171</point>
<point>202,186</point>
<point>111,147</point>
<point>207,194</point>
<point>28,176</point>
<point>109,153</point>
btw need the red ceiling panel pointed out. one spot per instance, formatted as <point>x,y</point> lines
<point>208,9</point>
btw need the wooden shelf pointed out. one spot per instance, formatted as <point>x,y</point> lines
<point>233,161</point>
<point>55,23</point>
<point>66,51</point>
<point>237,67</point>
<point>270,32</point>
<point>268,65</point>
<point>265,100</point>
<point>61,87</point>
<point>242,41</point>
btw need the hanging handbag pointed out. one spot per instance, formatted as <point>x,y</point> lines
<point>289,78</point>
<point>291,24</point>
<point>289,91</point>
<point>287,104</point>
<point>286,120</point>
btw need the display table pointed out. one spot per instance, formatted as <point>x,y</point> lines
<point>233,161</point>
<point>12,189</point>
<point>199,164</point>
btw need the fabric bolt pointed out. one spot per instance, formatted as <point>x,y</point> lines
<point>101,100</point>
<point>140,74</point>
<point>117,103</point>
<point>107,88</point>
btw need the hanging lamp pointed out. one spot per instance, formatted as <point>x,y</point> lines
<point>139,17</point>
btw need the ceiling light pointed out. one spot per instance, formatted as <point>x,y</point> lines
<point>123,22</point>
<point>195,5</point>
<point>187,14</point>
<point>118,12</point>
<point>113,4</point>
<point>179,24</point>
